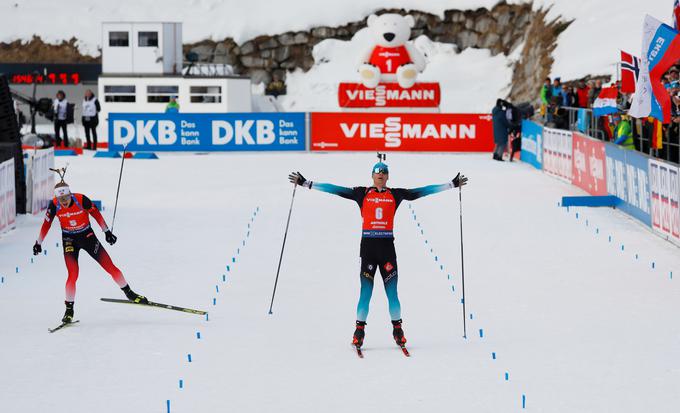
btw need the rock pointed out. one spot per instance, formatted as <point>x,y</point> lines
<point>282,53</point>
<point>257,62</point>
<point>323,32</point>
<point>484,24</point>
<point>490,40</point>
<point>289,64</point>
<point>307,63</point>
<point>248,47</point>
<point>267,43</point>
<point>279,74</point>
<point>467,39</point>
<point>300,38</point>
<point>205,52</point>
<point>287,38</point>
<point>343,33</point>
<point>259,76</point>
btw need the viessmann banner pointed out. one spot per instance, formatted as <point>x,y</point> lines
<point>207,132</point>
<point>413,132</point>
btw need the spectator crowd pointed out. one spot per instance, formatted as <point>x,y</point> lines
<point>560,104</point>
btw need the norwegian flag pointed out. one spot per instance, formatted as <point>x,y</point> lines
<point>676,14</point>
<point>630,70</point>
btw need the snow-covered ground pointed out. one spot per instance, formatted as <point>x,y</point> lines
<point>577,324</point>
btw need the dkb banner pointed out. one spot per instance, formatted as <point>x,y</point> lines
<point>532,144</point>
<point>628,180</point>
<point>207,132</point>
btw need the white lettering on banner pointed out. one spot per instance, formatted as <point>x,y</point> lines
<point>166,132</point>
<point>242,132</point>
<point>643,192</point>
<point>620,173</point>
<point>144,133</point>
<point>224,132</point>
<point>580,161</point>
<point>120,126</point>
<point>392,130</point>
<point>265,133</point>
<point>529,145</point>
<point>657,48</point>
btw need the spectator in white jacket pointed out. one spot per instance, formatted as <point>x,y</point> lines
<point>90,118</point>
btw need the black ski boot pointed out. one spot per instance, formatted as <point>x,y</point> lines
<point>133,296</point>
<point>398,333</point>
<point>358,339</point>
<point>68,315</point>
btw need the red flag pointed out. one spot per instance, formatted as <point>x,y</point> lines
<point>657,133</point>
<point>676,14</point>
<point>630,70</point>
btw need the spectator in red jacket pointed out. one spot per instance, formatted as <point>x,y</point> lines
<point>582,92</point>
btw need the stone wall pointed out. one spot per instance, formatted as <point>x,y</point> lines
<point>265,58</point>
<point>500,29</point>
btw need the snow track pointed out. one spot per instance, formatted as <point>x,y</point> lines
<point>578,324</point>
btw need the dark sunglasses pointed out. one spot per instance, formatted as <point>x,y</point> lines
<point>380,171</point>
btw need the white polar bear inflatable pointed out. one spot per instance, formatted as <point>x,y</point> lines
<point>392,58</point>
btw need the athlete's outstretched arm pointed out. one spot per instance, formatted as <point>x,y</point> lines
<point>415,193</point>
<point>298,179</point>
<point>47,223</point>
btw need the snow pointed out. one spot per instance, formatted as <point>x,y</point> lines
<point>590,45</point>
<point>465,78</point>
<point>579,325</point>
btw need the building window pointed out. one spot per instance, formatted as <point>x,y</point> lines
<point>205,94</point>
<point>161,94</point>
<point>148,39</point>
<point>119,39</point>
<point>119,94</point>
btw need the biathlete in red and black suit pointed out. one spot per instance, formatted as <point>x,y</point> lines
<point>73,212</point>
<point>378,205</point>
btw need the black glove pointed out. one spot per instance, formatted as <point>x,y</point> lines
<point>37,249</point>
<point>110,238</point>
<point>297,178</point>
<point>459,180</point>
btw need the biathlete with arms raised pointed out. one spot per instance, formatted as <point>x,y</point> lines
<point>378,205</point>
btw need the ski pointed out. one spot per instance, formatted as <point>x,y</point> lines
<point>157,305</point>
<point>405,351</point>
<point>62,325</point>
<point>359,352</point>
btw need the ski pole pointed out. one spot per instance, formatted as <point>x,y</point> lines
<point>120,177</point>
<point>285,235</point>
<point>462,258</point>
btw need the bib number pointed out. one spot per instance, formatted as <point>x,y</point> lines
<point>378,213</point>
<point>388,63</point>
<point>73,223</point>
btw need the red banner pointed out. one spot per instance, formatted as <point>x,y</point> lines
<point>389,95</point>
<point>412,132</point>
<point>589,165</point>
